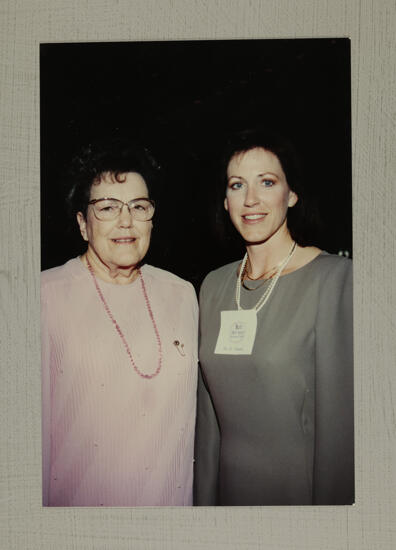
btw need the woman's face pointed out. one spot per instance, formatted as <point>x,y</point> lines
<point>122,242</point>
<point>257,195</point>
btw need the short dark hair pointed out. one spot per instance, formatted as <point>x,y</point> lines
<point>115,157</point>
<point>302,219</point>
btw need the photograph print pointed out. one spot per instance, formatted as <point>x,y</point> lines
<point>196,286</point>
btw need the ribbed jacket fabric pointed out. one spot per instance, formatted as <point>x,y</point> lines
<point>111,437</point>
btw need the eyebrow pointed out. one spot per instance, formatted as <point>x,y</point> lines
<point>258,175</point>
<point>114,199</point>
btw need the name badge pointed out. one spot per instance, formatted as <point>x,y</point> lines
<point>237,332</point>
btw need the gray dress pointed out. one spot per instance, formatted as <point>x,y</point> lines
<point>276,427</point>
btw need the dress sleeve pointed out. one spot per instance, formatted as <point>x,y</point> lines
<point>45,398</point>
<point>207,440</point>
<point>333,478</point>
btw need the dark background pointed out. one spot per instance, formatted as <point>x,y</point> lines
<point>180,99</point>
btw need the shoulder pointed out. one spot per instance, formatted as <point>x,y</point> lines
<point>167,279</point>
<point>332,266</point>
<point>61,275</point>
<point>217,282</point>
<point>335,279</point>
<point>220,274</point>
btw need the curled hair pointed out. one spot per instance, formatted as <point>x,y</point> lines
<point>98,159</point>
<point>302,218</point>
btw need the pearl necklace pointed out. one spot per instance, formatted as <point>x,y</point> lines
<point>118,329</point>
<point>270,288</point>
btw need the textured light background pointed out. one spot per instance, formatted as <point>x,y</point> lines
<point>370,524</point>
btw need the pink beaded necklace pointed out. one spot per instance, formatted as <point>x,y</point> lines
<point>118,329</point>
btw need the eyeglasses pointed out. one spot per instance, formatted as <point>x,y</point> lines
<point>108,209</point>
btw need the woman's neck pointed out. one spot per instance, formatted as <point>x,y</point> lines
<point>265,256</point>
<point>117,275</point>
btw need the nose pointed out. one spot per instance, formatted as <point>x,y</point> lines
<point>125,218</point>
<point>251,197</point>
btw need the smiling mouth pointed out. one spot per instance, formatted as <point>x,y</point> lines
<point>253,217</point>
<point>125,240</point>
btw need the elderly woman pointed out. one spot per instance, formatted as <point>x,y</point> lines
<point>275,423</point>
<point>119,357</point>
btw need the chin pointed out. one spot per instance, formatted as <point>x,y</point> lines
<point>254,241</point>
<point>129,262</point>
<point>255,238</point>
